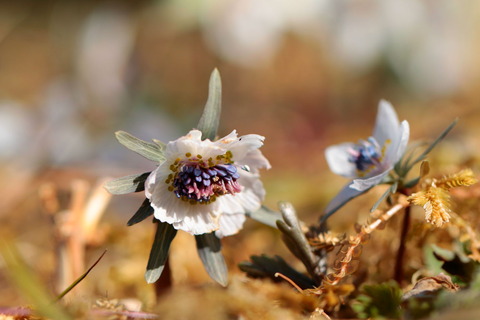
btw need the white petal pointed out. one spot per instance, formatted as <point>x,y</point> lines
<point>230,224</point>
<point>365,184</point>
<point>192,143</point>
<point>254,161</point>
<point>340,199</point>
<point>387,126</point>
<point>244,145</point>
<point>245,201</point>
<point>150,183</point>
<point>231,137</point>
<point>405,127</point>
<point>337,159</point>
<point>396,149</point>
<point>230,203</point>
<point>197,224</point>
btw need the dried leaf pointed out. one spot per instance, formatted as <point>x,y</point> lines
<point>428,287</point>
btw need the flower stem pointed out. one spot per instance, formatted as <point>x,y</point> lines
<point>398,276</point>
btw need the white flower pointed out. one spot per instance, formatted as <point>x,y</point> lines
<point>369,161</point>
<point>206,186</point>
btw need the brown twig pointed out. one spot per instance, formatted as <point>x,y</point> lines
<point>398,275</point>
<point>350,252</point>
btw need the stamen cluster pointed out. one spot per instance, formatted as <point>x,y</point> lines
<point>198,181</point>
<point>367,155</point>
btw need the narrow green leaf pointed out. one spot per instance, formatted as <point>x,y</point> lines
<point>265,216</point>
<point>159,252</point>
<point>210,119</point>
<point>391,190</point>
<point>142,213</point>
<point>427,151</point>
<point>151,151</point>
<point>209,250</point>
<point>127,184</point>
<point>74,284</point>
<point>402,164</point>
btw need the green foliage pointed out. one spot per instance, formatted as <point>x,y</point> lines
<point>403,167</point>
<point>379,301</point>
<point>457,264</point>
<point>209,250</point>
<point>145,211</point>
<point>210,119</point>
<point>295,240</point>
<point>151,151</point>
<point>159,252</point>
<point>127,184</point>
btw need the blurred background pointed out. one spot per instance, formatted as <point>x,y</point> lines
<point>305,74</point>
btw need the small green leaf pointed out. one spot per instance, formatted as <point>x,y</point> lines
<point>151,151</point>
<point>127,184</point>
<point>209,250</point>
<point>391,190</point>
<point>142,213</point>
<point>379,301</point>
<point>159,252</point>
<point>210,119</point>
<point>266,216</point>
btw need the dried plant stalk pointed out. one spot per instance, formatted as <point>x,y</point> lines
<point>75,227</point>
<point>347,259</point>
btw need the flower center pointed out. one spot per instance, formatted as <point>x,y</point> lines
<point>199,181</point>
<point>366,155</point>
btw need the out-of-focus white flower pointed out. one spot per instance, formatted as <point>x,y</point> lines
<point>205,186</point>
<point>369,161</point>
